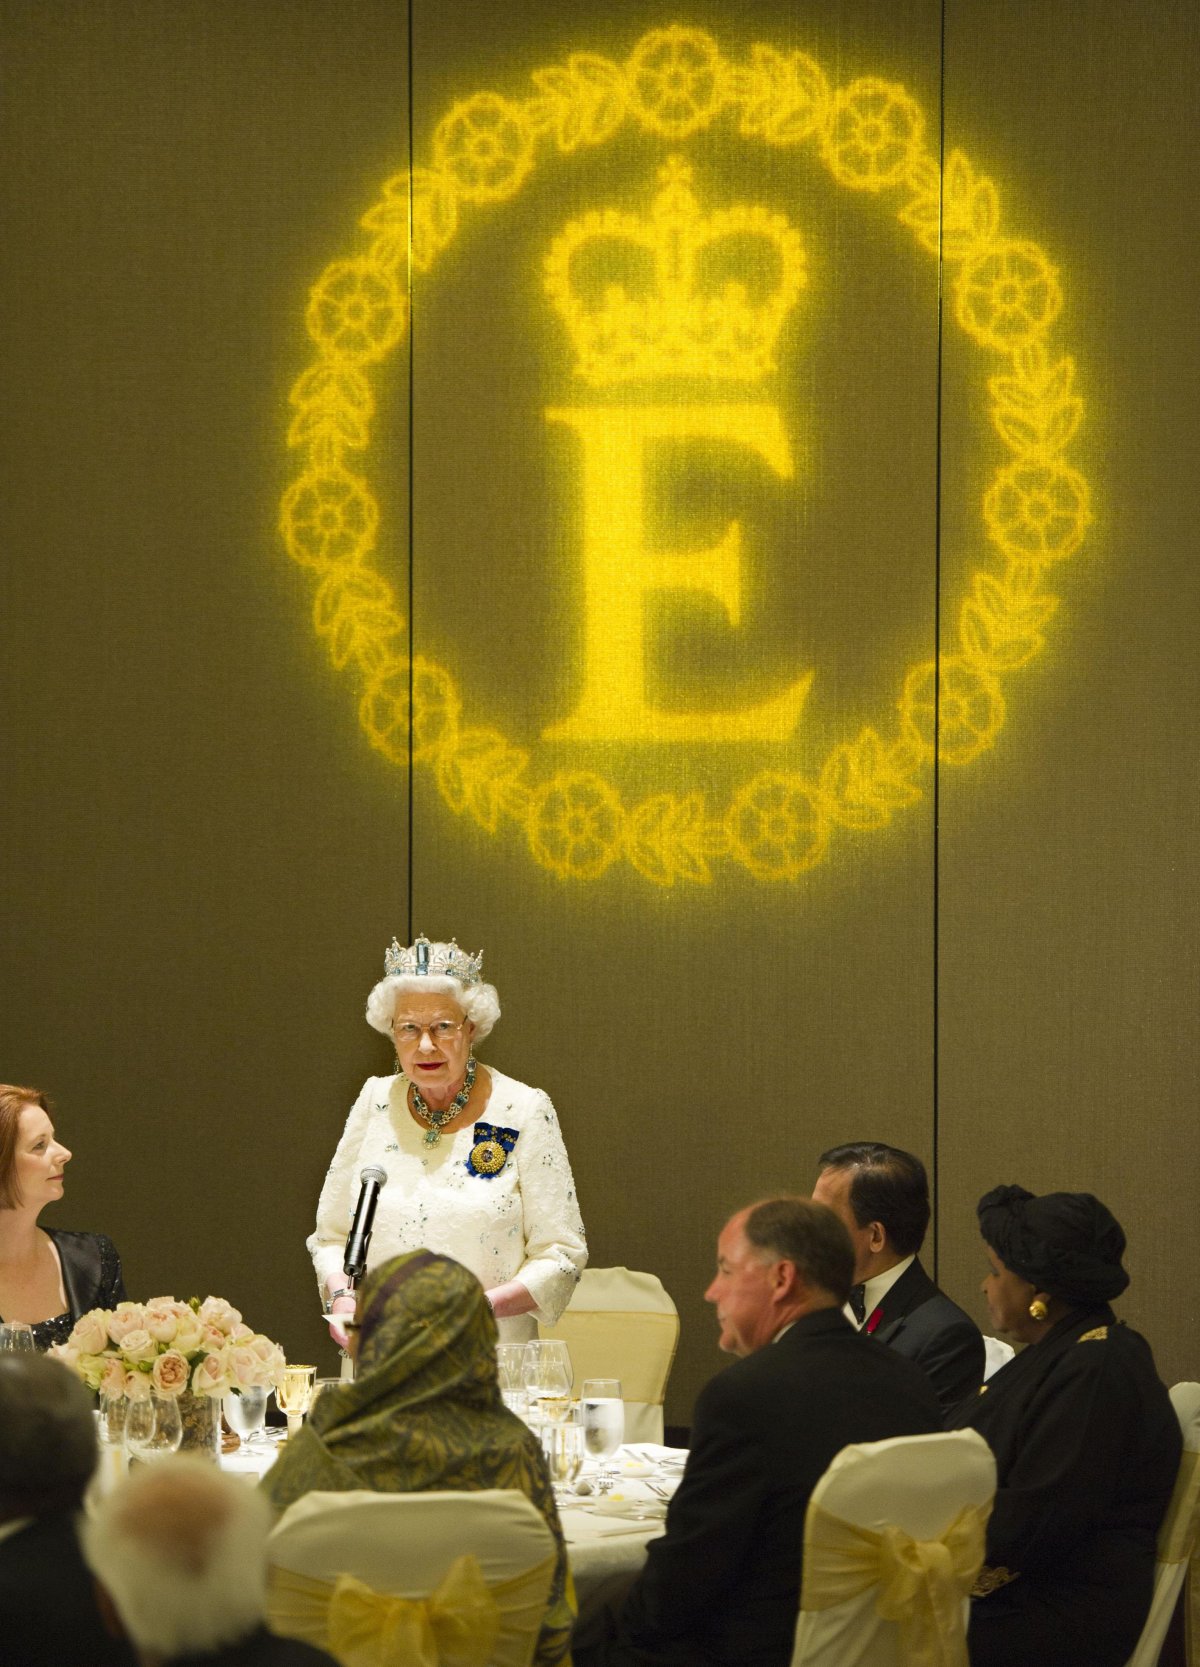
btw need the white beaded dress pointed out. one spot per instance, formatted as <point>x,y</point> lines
<point>522,1223</point>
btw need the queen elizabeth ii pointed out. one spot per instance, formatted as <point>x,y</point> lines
<point>475,1161</point>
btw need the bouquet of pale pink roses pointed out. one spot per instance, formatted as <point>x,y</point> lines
<point>170,1348</point>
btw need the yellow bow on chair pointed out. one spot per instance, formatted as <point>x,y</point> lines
<point>922,1583</point>
<point>455,1626</point>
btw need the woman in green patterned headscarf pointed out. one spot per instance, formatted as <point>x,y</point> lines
<point>424,1412</point>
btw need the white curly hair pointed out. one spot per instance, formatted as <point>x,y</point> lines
<point>479,1002</point>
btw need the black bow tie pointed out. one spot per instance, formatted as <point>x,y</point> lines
<point>858,1302</point>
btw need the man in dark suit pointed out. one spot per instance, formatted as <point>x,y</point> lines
<point>722,1586</point>
<point>882,1196</point>
<point>48,1610</point>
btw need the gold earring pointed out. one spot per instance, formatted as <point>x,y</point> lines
<point>1038,1309</point>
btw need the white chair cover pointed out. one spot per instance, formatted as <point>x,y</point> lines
<point>996,1353</point>
<point>911,1492</point>
<point>404,1545</point>
<point>622,1324</point>
<point>1177,1538</point>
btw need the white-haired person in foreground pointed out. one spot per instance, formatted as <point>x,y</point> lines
<point>179,1552</point>
<point>474,1161</point>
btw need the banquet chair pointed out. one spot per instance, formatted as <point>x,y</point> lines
<point>1177,1538</point>
<point>996,1353</point>
<point>475,1568</point>
<point>622,1324</point>
<point>893,1541</point>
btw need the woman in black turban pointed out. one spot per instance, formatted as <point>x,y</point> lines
<point>1087,1445</point>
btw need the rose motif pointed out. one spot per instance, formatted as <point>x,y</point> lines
<point>170,1373</point>
<point>89,1335</point>
<point>776,826</point>
<point>485,145</point>
<point>674,78</point>
<point>435,706</point>
<point>576,822</point>
<point>1037,511</point>
<point>972,709</point>
<point>328,519</point>
<point>355,312</point>
<point>874,133</point>
<point>1007,296</point>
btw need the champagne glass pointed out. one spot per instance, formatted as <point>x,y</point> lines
<point>546,1382</point>
<point>18,1336</point>
<point>245,1412</point>
<point>294,1394</point>
<point>153,1428</point>
<point>564,1450</point>
<point>603,1412</point>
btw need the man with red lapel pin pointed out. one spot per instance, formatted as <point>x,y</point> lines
<point>882,1196</point>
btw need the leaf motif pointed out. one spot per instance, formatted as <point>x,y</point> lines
<point>1062,426</point>
<point>324,422</point>
<point>554,82</point>
<point>1023,434</point>
<point>336,385</point>
<point>1032,362</point>
<point>958,243</point>
<point>923,214</point>
<point>790,127</point>
<point>985,211</point>
<point>434,215</point>
<point>349,589</point>
<point>923,176</point>
<point>478,772</point>
<point>959,187</point>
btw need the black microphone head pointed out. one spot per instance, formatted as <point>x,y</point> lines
<point>374,1173</point>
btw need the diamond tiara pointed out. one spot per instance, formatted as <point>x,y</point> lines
<point>430,960</point>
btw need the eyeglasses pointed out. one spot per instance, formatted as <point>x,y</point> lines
<point>440,1031</point>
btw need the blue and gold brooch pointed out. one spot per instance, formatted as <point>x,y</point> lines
<point>490,1152</point>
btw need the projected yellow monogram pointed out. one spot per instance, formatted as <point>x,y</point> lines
<point>1005,295</point>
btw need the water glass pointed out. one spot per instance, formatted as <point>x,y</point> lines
<point>603,1412</point>
<point>17,1335</point>
<point>153,1428</point>
<point>246,1412</point>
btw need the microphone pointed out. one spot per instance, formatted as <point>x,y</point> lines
<point>355,1263</point>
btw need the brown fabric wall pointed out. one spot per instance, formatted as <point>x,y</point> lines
<point>204,853</point>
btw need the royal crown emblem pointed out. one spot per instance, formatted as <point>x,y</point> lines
<point>432,960</point>
<point>679,294</point>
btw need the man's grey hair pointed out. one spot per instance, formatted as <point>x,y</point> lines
<point>809,1236</point>
<point>47,1437</point>
<point>181,1549</point>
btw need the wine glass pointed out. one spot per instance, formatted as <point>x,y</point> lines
<point>17,1335</point>
<point>553,1348</point>
<point>509,1370</point>
<point>153,1428</point>
<point>546,1381</point>
<point>603,1412</point>
<point>245,1412</point>
<point>294,1394</point>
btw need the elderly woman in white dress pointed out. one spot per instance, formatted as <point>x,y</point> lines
<point>475,1162</point>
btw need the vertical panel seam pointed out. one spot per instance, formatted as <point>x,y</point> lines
<point>937,656</point>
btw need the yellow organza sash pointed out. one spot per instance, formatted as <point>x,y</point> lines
<point>455,1626</point>
<point>922,1583</point>
<point>1177,1536</point>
